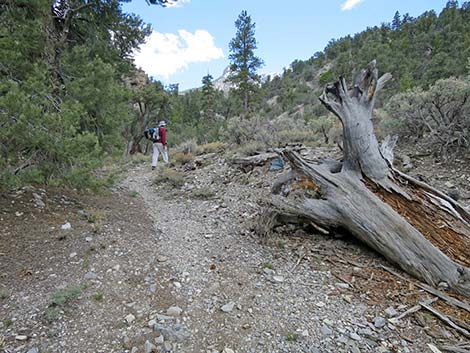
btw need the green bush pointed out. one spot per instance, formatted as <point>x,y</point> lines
<point>437,118</point>
<point>66,295</point>
<point>52,314</point>
<point>98,296</point>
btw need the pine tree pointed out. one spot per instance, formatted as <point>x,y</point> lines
<point>208,96</point>
<point>396,22</point>
<point>243,61</point>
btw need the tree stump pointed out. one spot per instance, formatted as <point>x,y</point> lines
<point>413,225</point>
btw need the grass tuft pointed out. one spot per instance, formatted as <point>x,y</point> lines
<point>204,193</point>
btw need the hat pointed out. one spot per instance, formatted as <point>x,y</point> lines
<point>162,123</point>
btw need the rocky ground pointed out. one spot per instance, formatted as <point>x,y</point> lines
<point>169,262</point>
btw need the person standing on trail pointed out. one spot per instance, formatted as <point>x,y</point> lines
<point>159,145</point>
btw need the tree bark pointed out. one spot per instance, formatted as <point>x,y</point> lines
<point>413,225</point>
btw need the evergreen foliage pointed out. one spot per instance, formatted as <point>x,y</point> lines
<point>63,102</point>
<point>208,96</point>
<point>417,51</point>
<point>68,100</point>
<point>243,61</point>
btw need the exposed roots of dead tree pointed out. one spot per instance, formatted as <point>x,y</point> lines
<point>413,225</point>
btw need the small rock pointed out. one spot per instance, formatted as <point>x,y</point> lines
<point>162,258</point>
<point>84,214</point>
<point>88,239</point>
<point>66,226</point>
<point>72,255</point>
<point>33,350</point>
<point>355,349</point>
<point>355,336</point>
<point>226,308</point>
<point>167,347</point>
<point>149,347</point>
<point>208,236</point>
<point>407,164</point>
<point>268,271</point>
<point>342,285</point>
<point>129,319</point>
<point>18,214</point>
<point>320,304</point>
<point>152,323</point>
<point>449,184</point>
<point>325,330</point>
<point>177,284</point>
<point>391,312</point>
<point>443,285</point>
<point>134,350</point>
<point>174,311</point>
<point>90,275</point>
<point>278,279</point>
<point>161,317</point>
<point>228,350</point>
<point>126,342</point>
<point>160,339</point>
<point>379,322</point>
<point>21,338</point>
<point>38,201</point>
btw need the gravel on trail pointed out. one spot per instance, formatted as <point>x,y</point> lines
<point>169,266</point>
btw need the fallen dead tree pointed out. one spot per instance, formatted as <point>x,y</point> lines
<point>413,225</point>
<point>248,163</point>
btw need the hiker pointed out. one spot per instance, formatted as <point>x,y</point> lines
<point>159,144</point>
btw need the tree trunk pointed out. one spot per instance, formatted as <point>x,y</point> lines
<point>136,147</point>
<point>413,225</point>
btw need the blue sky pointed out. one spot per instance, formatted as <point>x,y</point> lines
<point>191,39</point>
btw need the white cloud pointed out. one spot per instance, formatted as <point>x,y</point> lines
<point>166,53</point>
<point>349,4</point>
<point>177,3</point>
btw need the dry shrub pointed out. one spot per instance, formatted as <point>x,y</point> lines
<point>261,132</point>
<point>182,158</point>
<point>188,147</point>
<point>204,193</point>
<point>212,147</point>
<point>171,177</point>
<point>250,148</point>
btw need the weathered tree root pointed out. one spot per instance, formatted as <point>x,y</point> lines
<point>418,228</point>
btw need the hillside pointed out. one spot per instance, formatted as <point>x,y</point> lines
<point>417,51</point>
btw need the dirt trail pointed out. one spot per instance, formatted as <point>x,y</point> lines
<point>284,297</point>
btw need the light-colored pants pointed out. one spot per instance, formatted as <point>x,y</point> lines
<point>157,149</point>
